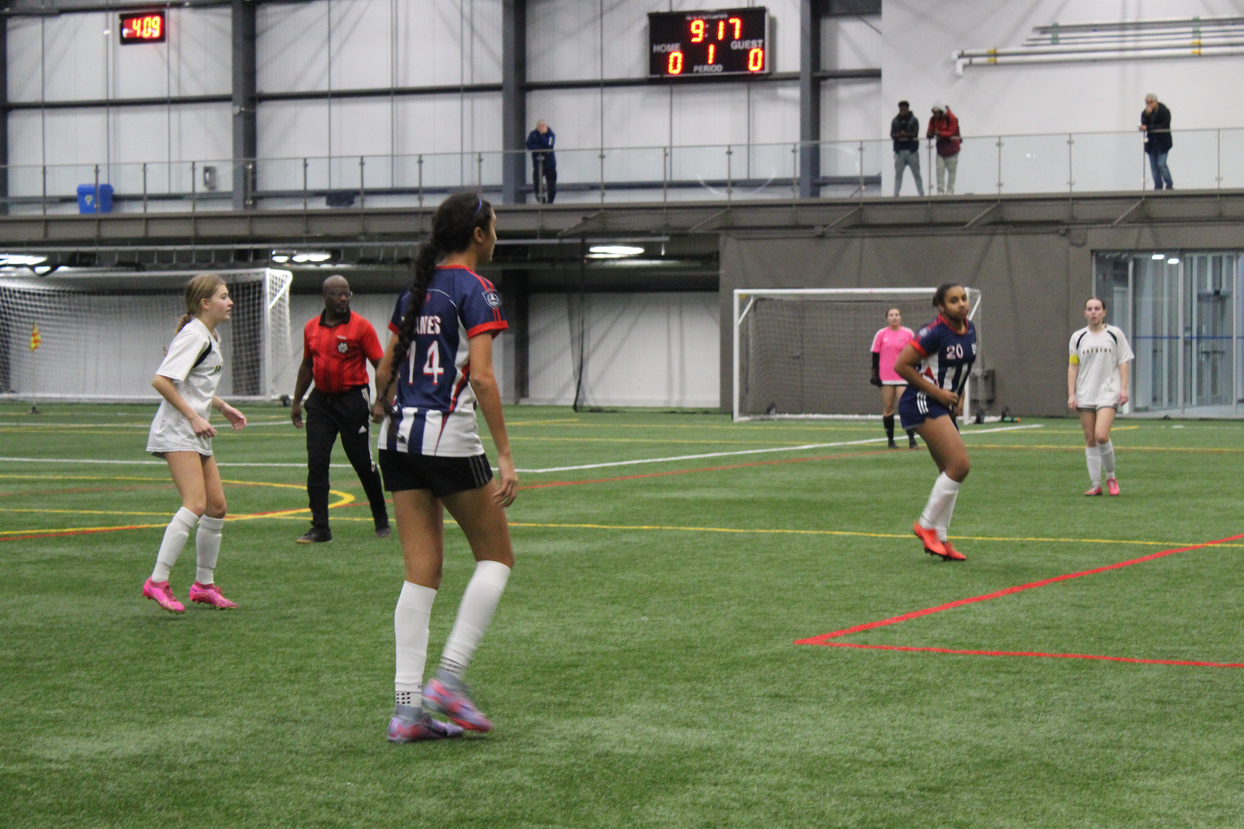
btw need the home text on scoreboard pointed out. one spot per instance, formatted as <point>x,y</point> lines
<point>708,43</point>
<point>143,28</point>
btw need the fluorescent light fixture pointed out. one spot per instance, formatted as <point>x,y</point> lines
<point>1159,256</point>
<point>1172,261</point>
<point>312,256</point>
<point>280,257</point>
<point>613,251</point>
<point>19,259</point>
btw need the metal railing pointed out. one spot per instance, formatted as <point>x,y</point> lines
<point>1002,164</point>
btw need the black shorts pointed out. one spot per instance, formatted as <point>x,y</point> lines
<point>444,476</point>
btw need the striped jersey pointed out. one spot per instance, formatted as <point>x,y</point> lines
<point>946,355</point>
<point>434,413</point>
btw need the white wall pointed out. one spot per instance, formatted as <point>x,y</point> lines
<point>642,349</point>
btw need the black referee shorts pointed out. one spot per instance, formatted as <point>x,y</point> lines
<point>444,476</point>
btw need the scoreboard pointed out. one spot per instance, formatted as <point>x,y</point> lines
<point>143,28</point>
<point>708,43</point>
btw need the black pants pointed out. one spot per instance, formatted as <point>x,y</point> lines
<point>546,191</point>
<point>346,414</point>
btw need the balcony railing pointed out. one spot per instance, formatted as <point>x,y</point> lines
<point>1005,164</point>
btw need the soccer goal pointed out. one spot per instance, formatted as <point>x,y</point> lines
<point>804,352</point>
<point>99,336</point>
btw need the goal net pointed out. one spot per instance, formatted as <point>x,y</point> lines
<point>805,352</point>
<point>102,335</point>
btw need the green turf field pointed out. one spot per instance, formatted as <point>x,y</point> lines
<point>642,669</point>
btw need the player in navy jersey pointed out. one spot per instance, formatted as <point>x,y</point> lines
<point>436,370</point>
<point>936,365</point>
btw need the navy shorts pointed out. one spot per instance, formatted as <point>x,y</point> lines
<point>915,407</point>
<point>444,476</point>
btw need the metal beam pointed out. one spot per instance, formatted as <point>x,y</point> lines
<point>809,99</point>
<point>4,118</point>
<point>245,134</point>
<point>513,100</point>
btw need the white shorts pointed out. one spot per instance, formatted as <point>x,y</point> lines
<point>173,434</point>
<point>893,382</point>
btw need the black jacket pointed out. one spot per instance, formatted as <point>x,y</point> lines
<point>905,132</point>
<point>1157,129</point>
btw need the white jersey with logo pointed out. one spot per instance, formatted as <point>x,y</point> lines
<point>194,364</point>
<point>1099,356</point>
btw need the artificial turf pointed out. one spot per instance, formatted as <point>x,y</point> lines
<point>642,668</point>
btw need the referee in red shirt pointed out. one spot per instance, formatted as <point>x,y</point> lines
<point>334,346</point>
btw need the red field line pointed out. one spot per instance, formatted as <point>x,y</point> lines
<point>824,638</point>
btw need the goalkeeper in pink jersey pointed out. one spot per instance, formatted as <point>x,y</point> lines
<point>887,345</point>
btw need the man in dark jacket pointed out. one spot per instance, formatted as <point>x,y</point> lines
<point>944,126</point>
<point>543,162</point>
<point>1155,123</point>
<point>905,130</point>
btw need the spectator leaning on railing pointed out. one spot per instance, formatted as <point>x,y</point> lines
<point>944,126</point>
<point>1155,123</point>
<point>905,130</point>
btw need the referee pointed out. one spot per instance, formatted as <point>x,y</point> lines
<point>334,345</point>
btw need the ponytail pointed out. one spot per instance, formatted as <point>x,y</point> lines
<point>453,229</point>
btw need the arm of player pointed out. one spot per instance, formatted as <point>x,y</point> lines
<point>905,367</point>
<point>300,389</point>
<point>384,378</point>
<point>169,392</point>
<point>484,384</point>
<point>236,419</point>
<point>1123,396</point>
<point>1073,371</point>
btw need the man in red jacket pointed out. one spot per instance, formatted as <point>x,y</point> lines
<point>944,126</point>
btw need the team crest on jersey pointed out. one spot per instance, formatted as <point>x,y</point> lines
<point>492,299</point>
<point>342,348</point>
<point>922,333</point>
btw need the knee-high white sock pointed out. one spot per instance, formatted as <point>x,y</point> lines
<point>479,602</point>
<point>207,546</point>
<point>175,536</point>
<point>941,504</point>
<point>1093,456</point>
<point>1107,458</point>
<point>410,629</point>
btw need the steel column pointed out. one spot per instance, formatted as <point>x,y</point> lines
<point>245,135</point>
<point>809,99</point>
<point>513,100</point>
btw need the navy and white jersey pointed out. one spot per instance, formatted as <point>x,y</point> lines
<point>947,356</point>
<point>435,405</point>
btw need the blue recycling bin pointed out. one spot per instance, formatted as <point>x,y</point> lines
<point>86,198</point>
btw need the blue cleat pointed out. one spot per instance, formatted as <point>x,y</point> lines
<point>406,727</point>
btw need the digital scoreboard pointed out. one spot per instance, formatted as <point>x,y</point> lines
<point>143,28</point>
<point>708,43</point>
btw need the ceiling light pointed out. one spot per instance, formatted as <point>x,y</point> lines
<point>16,259</point>
<point>280,257</point>
<point>613,251</point>
<point>1172,261</point>
<point>312,256</point>
<point>1159,256</point>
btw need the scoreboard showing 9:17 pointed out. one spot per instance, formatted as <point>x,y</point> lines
<point>708,43</point>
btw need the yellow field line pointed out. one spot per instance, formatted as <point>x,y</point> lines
<point>849,533</point>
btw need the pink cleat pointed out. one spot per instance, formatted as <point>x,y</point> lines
<point>1112,486</point>
<point>952,554</point>
<point>404,728</point>
<point>932,544</point>
<point>162,594</point>
<point>445,694</point>
<point>1094,490</point>
<point>210,594</point>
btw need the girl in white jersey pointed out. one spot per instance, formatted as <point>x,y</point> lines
<point>181,435</point>
<point>433,461</point>
<point>887,345</point>
<point>1096,387</point>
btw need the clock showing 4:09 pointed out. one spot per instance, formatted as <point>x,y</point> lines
<point>708,43</point>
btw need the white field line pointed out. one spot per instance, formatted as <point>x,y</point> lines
<point>803,448</point>
<point>135,425</point>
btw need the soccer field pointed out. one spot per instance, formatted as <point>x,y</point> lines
<point>660,657</point>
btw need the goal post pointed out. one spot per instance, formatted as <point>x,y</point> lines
<point>101,335</point>
<point>803,352</point>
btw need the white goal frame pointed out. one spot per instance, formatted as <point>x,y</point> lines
<point>752,294</point>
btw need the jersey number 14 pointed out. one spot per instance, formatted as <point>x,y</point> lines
<point>432,365</point>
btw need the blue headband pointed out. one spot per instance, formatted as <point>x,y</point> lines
<point>479,206</point>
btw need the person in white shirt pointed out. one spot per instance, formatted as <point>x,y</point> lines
<point>181,435</point>
<point>1097,387</point>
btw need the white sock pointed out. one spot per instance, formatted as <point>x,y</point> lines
<point>1107,457</point>
<point>941,504</point>
<point>1093,454</point>
<point>479,602</point>
<point>207,545</point>
<point>174,539</point>
<point>410,629</point>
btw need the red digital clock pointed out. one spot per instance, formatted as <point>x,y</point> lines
<point>143,28</point>
<point>708,43</point>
